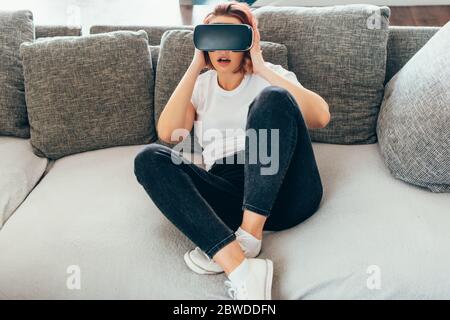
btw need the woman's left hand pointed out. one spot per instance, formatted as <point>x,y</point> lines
<point>256,52</point>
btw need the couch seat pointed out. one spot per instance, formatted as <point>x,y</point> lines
<point>89,211</point>
<point>20,170</point>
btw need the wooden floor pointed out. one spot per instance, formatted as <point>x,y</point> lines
<point>400,16</point>
<point>419,16</point>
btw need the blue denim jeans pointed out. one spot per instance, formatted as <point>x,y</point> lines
<point>207,206</point>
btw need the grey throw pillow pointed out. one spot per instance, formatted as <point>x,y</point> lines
<point>338,52</point>
<point>86,93</point>
<point>176,53</point>
<point>414,121</point>
<point>16,27</point>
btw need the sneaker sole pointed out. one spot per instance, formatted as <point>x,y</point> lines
<point>269,279</point>
<point>196,268</point>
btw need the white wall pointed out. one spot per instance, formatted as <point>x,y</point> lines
<point>337,2</point>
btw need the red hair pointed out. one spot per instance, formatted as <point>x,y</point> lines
<point>242,12</point>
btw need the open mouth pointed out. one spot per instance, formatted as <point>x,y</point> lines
<point>223,61</point>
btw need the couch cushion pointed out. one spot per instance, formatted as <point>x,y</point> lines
<point>15,27</point>
<point>176,52</point>
<point>20,170</point>
<point>105,223</point>
<point>85,93</point>
<point>413,124</point>
<point>340,53</point>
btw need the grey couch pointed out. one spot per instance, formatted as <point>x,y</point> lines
<point>373,237</point>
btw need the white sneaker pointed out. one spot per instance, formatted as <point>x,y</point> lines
<point>199,262</point>
<point>258,283</point>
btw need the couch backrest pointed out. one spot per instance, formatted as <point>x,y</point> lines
<point>403,43</point>
<point>55,31</point>
<point>154,32</point>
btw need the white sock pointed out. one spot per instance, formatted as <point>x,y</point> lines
<point>250,244</point>
<point>238,275</point>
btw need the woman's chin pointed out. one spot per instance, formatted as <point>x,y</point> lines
<point>224,69</point>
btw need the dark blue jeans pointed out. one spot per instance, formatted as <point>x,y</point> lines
<point>207,206</point>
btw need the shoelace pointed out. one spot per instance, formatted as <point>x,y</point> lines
<point>234,290</point>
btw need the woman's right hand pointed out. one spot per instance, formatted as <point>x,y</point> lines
<point>199,59</point>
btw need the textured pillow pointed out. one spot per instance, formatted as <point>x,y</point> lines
<point>338,52</point>
<point>176,53</point>
<point>86,93</point>
<point>15,27</point>
<point>414,121</point>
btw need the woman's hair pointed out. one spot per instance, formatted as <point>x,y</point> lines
<point>242,12</point>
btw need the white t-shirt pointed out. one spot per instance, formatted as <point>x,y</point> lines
<point>222,114</point>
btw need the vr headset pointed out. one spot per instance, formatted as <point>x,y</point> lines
<point>223,36</point>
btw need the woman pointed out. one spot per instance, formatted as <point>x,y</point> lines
<point>224,208</point>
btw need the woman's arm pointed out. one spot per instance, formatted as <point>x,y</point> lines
<point>313,107</point>
<point>179,112</point>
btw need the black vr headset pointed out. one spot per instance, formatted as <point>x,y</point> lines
<point>223,36</point>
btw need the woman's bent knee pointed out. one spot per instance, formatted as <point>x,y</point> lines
<point>274,99</point>
<point>149,157</point>
<point>273,92</point>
